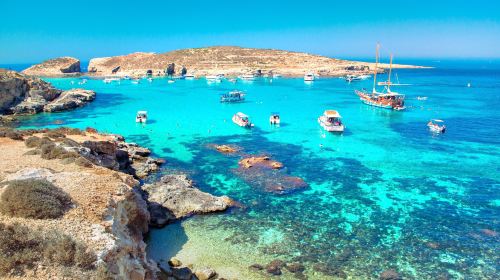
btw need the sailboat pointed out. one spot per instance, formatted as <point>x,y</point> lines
<point>388,99</point>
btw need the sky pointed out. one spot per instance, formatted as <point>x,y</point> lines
<point>34,30</point>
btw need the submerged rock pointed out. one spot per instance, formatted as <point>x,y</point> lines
<point>227,149</point>
<point>260,161</point>
<point>274,267</point>
<point>295,267</point>
<point>174,197</point>
<point>390,274</point>
<point>271,180</point>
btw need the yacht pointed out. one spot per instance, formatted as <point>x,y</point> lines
<point>275,118</point>
<point>331,121</point>
<point>386,99</point>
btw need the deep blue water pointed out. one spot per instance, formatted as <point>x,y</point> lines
<point>385,194</point>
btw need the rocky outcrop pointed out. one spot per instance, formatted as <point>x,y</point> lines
<point>175,197</point>
<point>70,99</point>
<point>228,60</point>
<point>20,94</point>
<point>55,67</point>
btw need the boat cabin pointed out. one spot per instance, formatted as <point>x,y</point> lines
<point>233,96</point>
<point>333,117</point>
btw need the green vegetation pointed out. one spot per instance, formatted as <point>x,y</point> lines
<point>22,248</point>
<point>33,198</point>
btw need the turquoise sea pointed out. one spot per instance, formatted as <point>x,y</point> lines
<point>386,194</point>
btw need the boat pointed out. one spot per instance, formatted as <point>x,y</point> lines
<point>135,81</point>
<point>242,120</point>
<point>189,77</point>
<point>170,81</point>
<point>150,80</point>
<point>247,77</point>
<point>422,98</point>
<point>141,117</point>
<point>232,97</point>
<point>331,121</point>
<point>274,118</point>
<point>213,79</point>
<point>386,99</point>
<point>109,80</point>
<point>309,77</point>
<point>436,126</point>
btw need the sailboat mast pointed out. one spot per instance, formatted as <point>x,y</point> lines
<point>375,71</point>
<point>389,79</point>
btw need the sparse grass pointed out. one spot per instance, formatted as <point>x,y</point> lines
<point>54,134</point>
<point>22,248</point>
<point>33,198</point>
<point>53,151</point>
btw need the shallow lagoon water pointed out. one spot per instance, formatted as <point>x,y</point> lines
<point>387,194</point>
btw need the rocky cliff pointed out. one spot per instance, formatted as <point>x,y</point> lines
<point>231,61</point>
<point>56,67</point>
<point>21,94</point>
<point>108,215</point>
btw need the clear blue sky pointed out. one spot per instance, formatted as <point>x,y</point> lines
<point>34,30</point>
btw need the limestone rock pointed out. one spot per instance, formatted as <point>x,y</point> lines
<point>55,67</point>
<point>70,99</point>
<point>261,161</point>
<point>205,274</point>
<point>174,197</point>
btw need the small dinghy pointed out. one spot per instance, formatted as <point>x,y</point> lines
<point>141,117</point>
<point>436,126</point>
<point>242,120</point>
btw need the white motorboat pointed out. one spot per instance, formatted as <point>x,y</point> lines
<point>275,118</point>
<point>331,121</point>
<point>309,77</point>
<point>242,120</point>
<point>189,77</point>
<point>436,126</point>
<point>109,80</point>
<point>141,117</point>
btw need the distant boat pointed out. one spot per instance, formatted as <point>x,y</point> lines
<point>189,77</point>
<point>242,120</point>
<point>309,77</point>
<point>247,77</point>
<point>468,85</point>
<point>436,126</point>
<point>331,121</point>
<point>141,117</point>
<point>109,80</point>
<point>150,80</point>
<point>213,78</point>
<point>232,97</point>
<point>421,98</point>
<point>275,118</point>
<point>388,99</point>
<point>135,81</point>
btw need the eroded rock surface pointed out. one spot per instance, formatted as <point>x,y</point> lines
<point>55,67</point>
<point>175,197</point>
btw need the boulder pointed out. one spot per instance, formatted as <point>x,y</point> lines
<point>295,267</point>
<point>226,149</point>
<point>175,197</point>
<point>205,274</point>
<point>55,67</point>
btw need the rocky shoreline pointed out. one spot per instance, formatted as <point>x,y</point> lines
<point>111,212</point>
<point>21,94</point>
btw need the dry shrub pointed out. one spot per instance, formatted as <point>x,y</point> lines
<point>11,133</point>
<point>68,131</point>
<point>81,161</point>
<point>53,151</point>
<point>22,248</point>
<point>36,142</point>
<point>33,198</point>
<point>54,134</point>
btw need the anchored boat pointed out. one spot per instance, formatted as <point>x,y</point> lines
<point>275,118</point>
<point>386,99</point>
<point>436,126</point>
<point>331,121</point>
<point>242,120</point>
<point>309,77</point>
<point>232,97</point>
<point>141,117</point>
